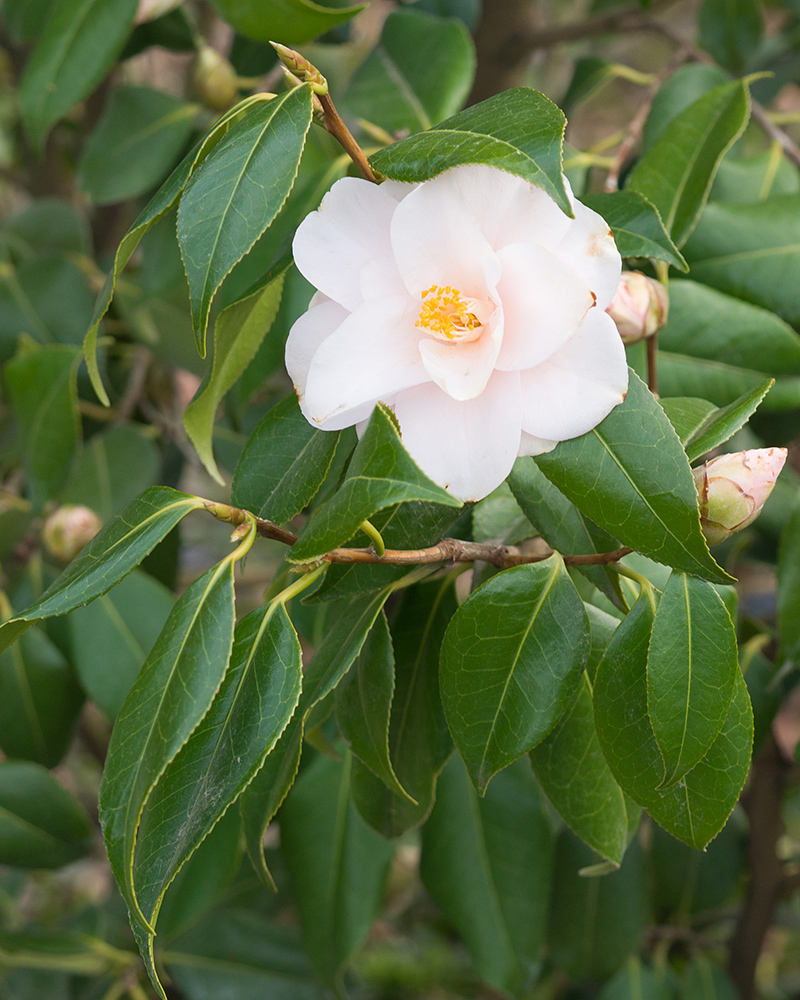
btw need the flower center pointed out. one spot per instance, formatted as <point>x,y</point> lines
<point>449,316</point>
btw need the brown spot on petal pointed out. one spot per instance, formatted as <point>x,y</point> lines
<point>595,247</point>
<point>611,233</point>
<point>594,298</point>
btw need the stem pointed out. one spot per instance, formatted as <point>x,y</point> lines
<point>374,535</point>
<point>338,129</point>
<point>652,364</point>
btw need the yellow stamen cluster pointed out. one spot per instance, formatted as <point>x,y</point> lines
<point>445,313</point>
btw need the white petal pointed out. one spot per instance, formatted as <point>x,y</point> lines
<point>307,334</point>
<point>580,385</point>
<point>463,369</point>
<point>398,189</point>
<point>437,241</point>
<point>531,445</point>
<point>544,303</point>
<point>371,355</point>
<point>350,229</point>
<point>466,447</point>
<point>509,209</point>
<point>590,249</point>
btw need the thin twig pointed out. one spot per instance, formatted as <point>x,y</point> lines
<point>135,387</point>
<point>337,128</point>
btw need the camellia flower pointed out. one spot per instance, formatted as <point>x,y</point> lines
<point>470,304</point>
<point>733,488</point>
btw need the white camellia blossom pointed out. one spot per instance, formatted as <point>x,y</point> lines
<point>470,304</point>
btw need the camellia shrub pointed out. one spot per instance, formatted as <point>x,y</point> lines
<point>497,422</point>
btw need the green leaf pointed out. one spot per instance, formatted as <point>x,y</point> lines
<point>704,323</point>
<point>754,178</point>
<point>695,809</point>
<point>722,424</point>
<point>292,21</point>
<point>637,226</point>
<point>789,585</point>
<point>731,31</point>
<point>691,668</point>
<point>505,680</point>
<point>170,697</point>
<point>41,700</point>
<point>677,172</point>
<point>688,415</point>
<point>678,92</point>
<point>76,49</point>
<point>25,19</point>
<point>631,476</point>
<point>721,384</point>
<point>519,131</point>
<point>245,720</point>
<point>45,226</point>
<point>43,389</point>
<point>238,333</point>
<point>561,524</point>
<point>333,659</point>
<point>690,881</point>
<point>420,72</point>
<point>41,824</point>
<point>752,252</point>
<point>595,924</point>
<point>381,473</point>
<point>488,864</point>
<point>337,865</point>
<point>111,555</point>
<point>120,627</point>
<point>703,980</point>
<point>575,777</point>
<point>636,981</point>
<point>235,193</point>
<point>419,741</point>
<point>364,705</point>
<point>283,464</point>
<point>161,202</point>
<point>589,75</point>
<point>136,142</point>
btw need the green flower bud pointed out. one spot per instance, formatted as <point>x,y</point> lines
<point>214,79</point>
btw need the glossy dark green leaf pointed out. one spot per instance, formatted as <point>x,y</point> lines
<point>337,865</point>
<point>519,131</point>
<point>77,47</point>
<point>636,981</point>
<point>751,252</point>
<point>246,718</point>
<point>161,202</point>
<point>688,415</point>
<point>722,424</point>
<point>677,172</point>
<point>138,139</point>
<point>636,225</point>
<point>41,700</point>
<point>364,705</point>
<point>691,668</point>
<point>575,777</point>
<point>333,659</point>
<point>111,637</point>
<point>488,864</point>
<point>722,385</point>
<point>686,880</point>
<point>112,468</point>
<point>561,524</point>
<point>235,193</point>
<point>499,518</point>
<point>678,92</point>
<point>110,556</point>
<point>731,31</point>
<point>595,924</point>
<point>43,389</point>
<point>419,741</point>
<point>696,808</point>
<point>506,679</point>
<point>170,697</point>
<point>420,72</point>
<point>631,476</point>
<point>704,323</point>
<point>381,473</point>
<point>789,585</point>
<point>291,21</point>
<point>238,333</point>
<point>41,824</point>
<point>283,463</point>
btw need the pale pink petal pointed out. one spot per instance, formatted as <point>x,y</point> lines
<point>466,447</point>
<point>579,386</point>
<point>463,369</point>
<point>307,334</point>
<point>437,241</point>
<point>531,445</point>
<point>398,189</point>
<point>371,355</point>
<point>509,209</point>
<point>590,249</point>
<point>544,303</point>
<point>350,229</point>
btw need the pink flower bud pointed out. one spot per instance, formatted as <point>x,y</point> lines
<point>639,307</point>
<point>733,488</point>
<point>68,529</point>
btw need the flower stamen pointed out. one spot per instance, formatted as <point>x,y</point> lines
<point>448,315</point>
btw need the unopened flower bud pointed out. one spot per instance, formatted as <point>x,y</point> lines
<point>639,307</point>
<point>733,488</point>
<point>300,67</point>
<point>214,79</point>
<point>68,529</point>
